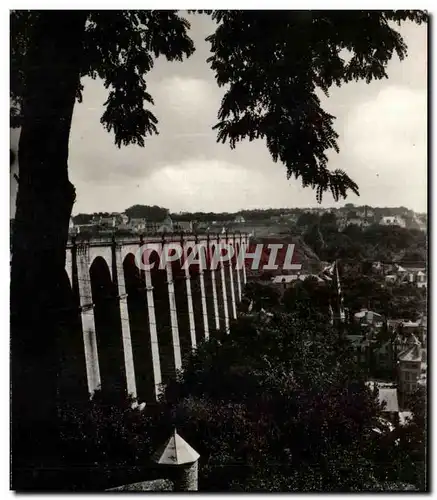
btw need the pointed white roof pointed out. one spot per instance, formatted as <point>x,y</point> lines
<point>175,451</point>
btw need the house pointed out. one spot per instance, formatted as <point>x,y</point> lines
<point>201,227</point>
<point>166,226</point>
<point>353,221</point>
<point>399,270</point>
<point>183,227</point>
<point>365,212</point>
<point>138,225</point>
<point>392,220</point>
<point>123,219</point>
<point>84,228</point>
<point>421,280</point>
<point>108,221</point>
<point>239,219</point>
<point>413,275</point>
<point>410,367</point>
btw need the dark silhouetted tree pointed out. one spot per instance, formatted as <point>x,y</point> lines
<point>82,219</point>
<point>50,52</point>
<point>150,213</point>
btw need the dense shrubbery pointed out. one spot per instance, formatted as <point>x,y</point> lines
<point>104,441</point>
<point>280,392</point>
<point>374,243</point>
<point>392,300</point>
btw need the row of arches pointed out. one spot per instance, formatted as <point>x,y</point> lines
<point>187,306</point>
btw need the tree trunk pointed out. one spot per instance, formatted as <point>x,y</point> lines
<point>40,290</point>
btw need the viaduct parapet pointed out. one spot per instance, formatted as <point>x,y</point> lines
<point>136,325</point>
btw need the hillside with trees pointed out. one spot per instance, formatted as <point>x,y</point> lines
<point>277,405</point>
<point>374,243</point>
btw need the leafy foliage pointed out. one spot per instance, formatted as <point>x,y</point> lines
<point>281,394</point>
<point>410,456</point>
<point>104,441</point>
<point>150,213</point>
<point>309,299</point>
<point>263,297</point>
<point>82,219</point>
<point>393,301</point>
<point>373,243</point>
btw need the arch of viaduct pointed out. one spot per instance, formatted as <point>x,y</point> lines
<point>138,325</point>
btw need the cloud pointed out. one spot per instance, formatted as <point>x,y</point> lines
<point>203,185</point>
<point>385,140</point>
<point>188,98</point>
<point>389,132</point>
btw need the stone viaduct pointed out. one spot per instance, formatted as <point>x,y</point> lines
<point>137,325</point>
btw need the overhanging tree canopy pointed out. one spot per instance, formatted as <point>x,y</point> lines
<point>274,62</point>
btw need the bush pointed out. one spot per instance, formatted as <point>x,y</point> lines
<point>105,442</point>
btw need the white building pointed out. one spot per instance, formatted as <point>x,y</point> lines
<point>412,367</point>
<point>392,220</point>
<point>137,224</point>
<point>416,276</point>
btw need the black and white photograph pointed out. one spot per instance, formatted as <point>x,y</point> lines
<point>218,250</point>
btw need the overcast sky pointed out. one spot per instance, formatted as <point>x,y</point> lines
<point>382,127</point>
